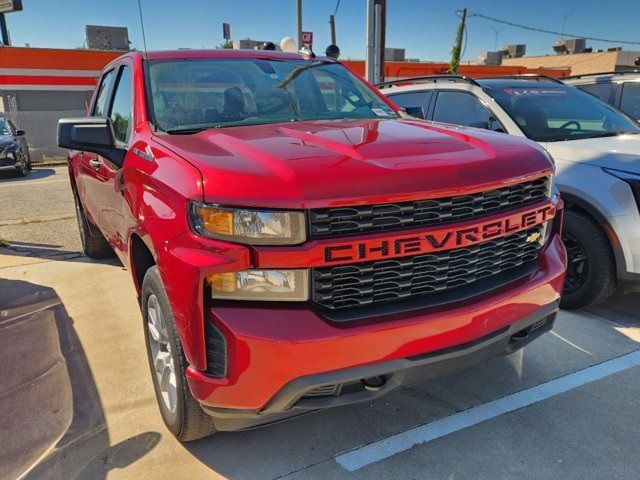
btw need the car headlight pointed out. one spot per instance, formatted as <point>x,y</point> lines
<point>553,190</point>
<point>633,179</point>
<point>243,225</point>
<point>261,285</point>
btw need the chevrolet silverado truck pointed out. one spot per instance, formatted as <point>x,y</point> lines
<point>296,244</point>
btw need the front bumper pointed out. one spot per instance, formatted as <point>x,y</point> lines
<point>8,160</point>
<point>277,353</point>
<point>368,382</point>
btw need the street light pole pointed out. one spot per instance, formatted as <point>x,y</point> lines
<point>299,21</point>
<point>564,21</point>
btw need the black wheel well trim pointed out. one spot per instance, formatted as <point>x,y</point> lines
<point>142,259</point>
<point>576,203</point>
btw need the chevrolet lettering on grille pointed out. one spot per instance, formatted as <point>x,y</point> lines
<point>435,240</point>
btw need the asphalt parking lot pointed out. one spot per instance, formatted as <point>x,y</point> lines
<point>76,400</point>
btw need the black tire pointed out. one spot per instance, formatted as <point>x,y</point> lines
<point>22,166</point>
<point>188,421</point>
<point>591,275</point>
<point>28,156</point>
<point>94,245</point>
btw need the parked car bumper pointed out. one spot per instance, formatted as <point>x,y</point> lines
<point>280,356</point>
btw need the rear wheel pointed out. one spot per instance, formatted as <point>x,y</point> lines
<point>591,271</point>
<point>94,245</point>
<point>180,411</point>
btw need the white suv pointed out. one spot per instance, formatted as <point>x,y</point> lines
<point>597,153</point>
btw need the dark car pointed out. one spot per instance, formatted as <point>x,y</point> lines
<point>14,149</point>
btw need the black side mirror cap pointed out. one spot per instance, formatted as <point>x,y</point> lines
<point>417,112</point>
<point>20,133</point>
<point>90,134</point>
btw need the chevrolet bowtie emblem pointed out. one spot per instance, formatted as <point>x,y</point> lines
<point>534,237</point>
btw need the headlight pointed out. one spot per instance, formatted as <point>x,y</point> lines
<point>262,285</point>
<point>553,190</point>
<point>633,179</point>
<point>256,227</point>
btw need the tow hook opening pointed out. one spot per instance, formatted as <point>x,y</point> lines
<point>374,384</point>
<point>527,335</point>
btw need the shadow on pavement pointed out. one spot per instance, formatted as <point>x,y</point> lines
<point>41,250</point>
<point>52,423</point>
<point>623,307</point>
<point>9,176</point>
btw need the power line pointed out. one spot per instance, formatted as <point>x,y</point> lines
<point>542,30</point>
<point>336,10</point>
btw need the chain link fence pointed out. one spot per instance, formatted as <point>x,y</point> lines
<point>41,128</point>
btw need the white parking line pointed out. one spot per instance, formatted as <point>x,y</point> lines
<point>385,448</point>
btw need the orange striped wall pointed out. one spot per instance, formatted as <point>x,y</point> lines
<point>54,58</point>
<point>395,70</point>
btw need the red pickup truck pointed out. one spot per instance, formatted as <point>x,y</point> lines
<point>296,243</point>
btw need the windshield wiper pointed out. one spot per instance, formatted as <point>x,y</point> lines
<point>296,72</point>
<point>610,134</point>
<point>185,131</point>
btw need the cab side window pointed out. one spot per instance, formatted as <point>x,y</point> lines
<point>630,101</point>
<point>122,107</point>
<point>100,107</point>
<point>460,108</point>
<point>601,90</point>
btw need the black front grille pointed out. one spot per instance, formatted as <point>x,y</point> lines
<point>377,282</point>
<point>339,221</point>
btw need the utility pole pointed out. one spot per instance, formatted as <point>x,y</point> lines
<point>374,61</point>
<point>5,32</point>
<point>299,22</point>
<point>332,29</point>
<point>456,51</point>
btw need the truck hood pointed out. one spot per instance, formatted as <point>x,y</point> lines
<point>620,153</point>
<point>343,162</point>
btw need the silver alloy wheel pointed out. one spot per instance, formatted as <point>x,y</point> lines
<point>161,357</point>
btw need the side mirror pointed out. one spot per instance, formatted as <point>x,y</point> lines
<point>91,134</point>
<point>20,133</point>
<point>494,125</point>
<point>417,112</point>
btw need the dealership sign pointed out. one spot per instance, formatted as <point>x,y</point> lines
<point>306,38</point>
<point>8,6</point>
<point>226,31</point>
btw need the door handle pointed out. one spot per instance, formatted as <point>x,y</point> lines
<point>94,163</point>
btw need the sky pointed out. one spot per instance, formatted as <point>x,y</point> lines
<point>425,28</point>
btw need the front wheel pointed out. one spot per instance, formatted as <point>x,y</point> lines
<point>22,166</point>
<point>591,271</point>
<point>180,411</point>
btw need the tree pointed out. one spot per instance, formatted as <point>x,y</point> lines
<point>226,44</point>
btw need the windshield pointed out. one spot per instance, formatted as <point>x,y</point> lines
<point>192,95</point>
<point>552,113</point>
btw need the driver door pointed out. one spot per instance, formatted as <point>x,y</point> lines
<point>103,178</point>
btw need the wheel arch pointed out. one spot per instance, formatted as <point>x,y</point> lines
<point>141,258</point>
<point>574,202</point>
